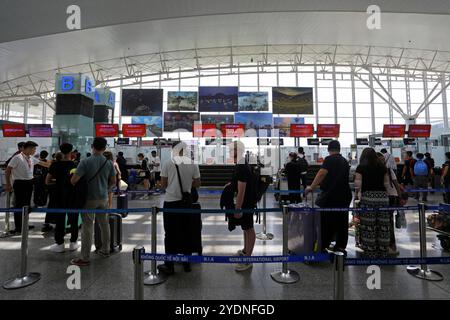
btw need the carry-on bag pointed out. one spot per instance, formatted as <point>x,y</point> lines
<point>304,232</point>
<point>115,227</point>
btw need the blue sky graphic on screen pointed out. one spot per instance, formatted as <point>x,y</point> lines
<point>261,122</point>
<point>154,125</point>
<point>223,99</point>
<point>182,101</point>
<point>253,101</point>
<point>283,125</point>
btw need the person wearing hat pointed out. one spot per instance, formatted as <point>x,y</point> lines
<point>333,179</point>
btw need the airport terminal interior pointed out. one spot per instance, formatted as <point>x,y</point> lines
<point>283,79</point>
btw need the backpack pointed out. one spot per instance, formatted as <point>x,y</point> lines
<point>420,168</point>
<point>259,184</point>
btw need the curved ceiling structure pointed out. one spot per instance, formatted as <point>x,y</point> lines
<point>196,34</point>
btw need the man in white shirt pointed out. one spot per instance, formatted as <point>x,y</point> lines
<point>20,171</point>
<point>178,235</point>
<point>155,163</point>
<point>389,160</point>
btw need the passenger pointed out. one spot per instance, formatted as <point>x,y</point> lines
<point>371,182</point>
<point>178,237</point>
<point>407,180</point>
<point>155,163</point>
<point>293,174</point>
<point>144,173</point>
<point>245,199</point>
<point>19,150</point>
<point>389,160</point>
<point>59,178</point>
<point>97,198</point>
<point>420,171</point>
<point>431,164</point>
<point>393,190</point>
<point>40,196</point>
<point>20,171</point>
<point>333,178</point>
<point>122,162</point>
<point>445,179</point>
<point>301,159</point>
<point>108,155</point>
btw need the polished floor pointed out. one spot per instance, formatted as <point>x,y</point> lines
<point>112,278</point>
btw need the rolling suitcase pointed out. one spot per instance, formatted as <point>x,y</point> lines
<point>122,203</point>
<point>303,231</point>
<point>115,227</point>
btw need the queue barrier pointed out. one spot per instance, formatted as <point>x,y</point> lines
<point>284,276</point>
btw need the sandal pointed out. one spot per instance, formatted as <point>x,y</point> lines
<point>79,262</point>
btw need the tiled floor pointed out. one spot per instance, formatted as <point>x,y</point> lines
<point>112,278</point>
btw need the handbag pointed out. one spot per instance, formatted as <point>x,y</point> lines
<point>123,185</point>
<point>186,199</point>
<point>81,190</point>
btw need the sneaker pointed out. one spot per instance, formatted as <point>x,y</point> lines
<point>57,248</point>
<point>74,246</point>
<point>167,270</point>
<point>79,262</point>
<point>241,253</point>
<point>243,267</point>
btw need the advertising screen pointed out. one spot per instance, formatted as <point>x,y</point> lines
<point>201,130</point>
<point>313,142</point>
<point>39,131</point>
<point>13,130</point>
<point>301,130</point>
<point>106,130</point>
<point>134,130</point>
<point>328,130</point>
<point>419,130</point>
<point>233,130</point>
<point>394,130</point>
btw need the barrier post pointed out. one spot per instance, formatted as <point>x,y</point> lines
<point>152,276</point>
<point>285,275</point>
<point>423,272</point>
<point>264,235</point>
<point>338,275</point>
<point>25,278</point>
<point>138,273</point>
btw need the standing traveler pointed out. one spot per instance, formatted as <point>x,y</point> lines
<point>303,163</point>
<point>19,176</point>
<point>108,155</point>
<point>293,174</point>
<point>431,164</point>
<point>41,192</point>
<point>445,179</point>
<point>393,190</point>
<point>155,164</point>
<point>333,179</point>
<point>371,183</point>
<point>178,177</point>
<point>420,171</point>
<point>122,162</point>
<point>100,176</point>
<point>389,160</point>
<point>19,150</point>
<point>407,180</point>
<point>59,176</point>
<point>144,173</point>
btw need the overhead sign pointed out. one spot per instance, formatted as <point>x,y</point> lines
<point>313,142</point>
<point>104,97</point>
<point>40,131</point>
<point>201,130</point>
<point>74,83</point>
<point>14,130</point>
<point>419,130</point>
<point>233,130</point>
<point>134,130</point>
<point>106,130</point>
<point>301,130</point>
<point>123,141</point>
<point>362,141</point>
<point>394,130</point>
<point>328,130</point>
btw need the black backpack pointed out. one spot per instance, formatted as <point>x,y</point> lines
<point>259,183</point>
<point>80,190</point>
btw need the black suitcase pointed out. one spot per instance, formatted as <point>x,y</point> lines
<point>122,203</point>
<point>115,227</point>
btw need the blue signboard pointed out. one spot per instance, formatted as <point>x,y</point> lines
<point>104,97</point>
<point>74,83</point>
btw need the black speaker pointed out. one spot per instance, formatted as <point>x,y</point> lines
<point>101,114</point>
<point>74,104</point>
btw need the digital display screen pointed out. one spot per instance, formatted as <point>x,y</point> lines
<point>419,130</point>
<point>394,130</point>
<point>106,130</point>
<point>201,130</point>
<point>40,131</point>
<point>328,130</point>
<point>301,130</point>
<point>14,130</point>
<point>134,130</point>
<point>233,130</point>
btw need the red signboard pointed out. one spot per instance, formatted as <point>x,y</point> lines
<point>394,130</point>
<point>419,130</point>
<point>106,130</point>
<point>328,130</point>
<point>134,130</point>
<point>233,130</point>
<point>14,130</point>
<point>301,130</point>
<point>201,130</point>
